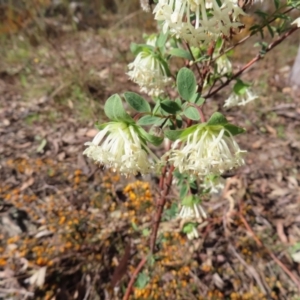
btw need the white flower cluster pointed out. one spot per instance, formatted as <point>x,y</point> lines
<point>198,22</point>
<point>224,65</point>
<point>212,183</point>
<point>193,210</point>
<point>238,100</point>
<point>119,147</point>
<point>207,150</point>
<point>149,73</point>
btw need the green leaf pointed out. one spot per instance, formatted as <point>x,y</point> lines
<point>156,108</point>
<point>170,107</point>
<point>115,111</point>
<point>188,200</point>
<point>170,213</point>
<point>134,226</point>
<point>186,83</point>
<point>149,120</point>
<point>178,122</point>
<point>137,102</point>
<point>183,190</point>
<point>42,145</point>
<point>193,184</point>
<point>277,3</point>
<point>271,31</point>
<point>234,130</point>
<point>188,227</point>
<point>196,98</point>
<point>154,140</point>
<point>217,119</point>
<point>173,135</point>
<point>180,53</point>
<point>146,232</point>
<point>240,87</point>
<point>191,129</point>
<point>178,101</point>
<point>142,280</point>
<point>192,113</point>
<point>162,39</point>
<point>136,48</point>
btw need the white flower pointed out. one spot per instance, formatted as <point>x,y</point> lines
<point>212,183</point>
<point>151,40</point>
<point>191,209</point>
<point>176,17</point>
<point>191,231</point>
<point>206,150</point>
<point>297,22</point>
<point>193,234</point>
<point>38,278</point>
<point>238,100</point>
<point>149,73</point>
<point>119,146</point>
<point>223,65</point>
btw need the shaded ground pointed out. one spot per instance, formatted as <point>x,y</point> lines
<point>60,211</point>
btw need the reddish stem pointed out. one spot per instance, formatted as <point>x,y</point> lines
<point>254,60</point>
<point>160,207</point>
<point>133,277</point>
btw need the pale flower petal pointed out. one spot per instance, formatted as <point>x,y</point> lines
<point>195,211</point>
<point>193,234</point>
<point>223,65</point>
<point>38,278</point>
<point>118,146</point>
<point>149,73</point>
<point>176,17</point>
<point>239,100</point>
<point>205,151</point>
<point>214,184</point>
<point>297,22</point>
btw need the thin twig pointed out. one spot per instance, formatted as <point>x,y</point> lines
<point>133,277</point>
<point>251,34</point>
<point>192,55</point>
<point>250,269</point>
<point>254,60</point>
<point>294,278</point>
<point>160,208</point>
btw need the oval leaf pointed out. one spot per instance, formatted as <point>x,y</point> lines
<point>240,87</point>
<point>170,107</point>
<point>114,109</point>
<point>137,102</point>
<point>149,120</point>
<point>186,83</point>
<point>234,130</point>
<point>181,53</point>
<point>217,119</point>
<point>196,98</point>
<point>173,135</point>
<point>162,39</point>
<point>154,140</point>
<point>192,113</point>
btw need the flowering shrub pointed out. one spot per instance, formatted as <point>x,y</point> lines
<point>199,148</point>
